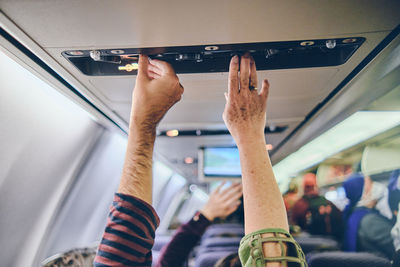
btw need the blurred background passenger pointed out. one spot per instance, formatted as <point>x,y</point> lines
<point>366,228</point>
<point>314,213</point>
<point>222,203</point>
<point>291,196</point>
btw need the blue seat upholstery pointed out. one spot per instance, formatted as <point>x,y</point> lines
<point>346,259</point>
<point>221,242</point>
<point>223,232</point>
<point>316,243</point>
<point>210,258</point>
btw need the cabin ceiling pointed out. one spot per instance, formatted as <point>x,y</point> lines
<point>57,26</point>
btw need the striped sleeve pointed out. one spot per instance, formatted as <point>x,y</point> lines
<point>129,234</point>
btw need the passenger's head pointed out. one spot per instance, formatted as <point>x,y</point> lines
<point>310,184</point>
<point>394,192</point>
<point>293,187</point>
<point>353,187</point>
<point>372,193</point>
<point>232,260</point>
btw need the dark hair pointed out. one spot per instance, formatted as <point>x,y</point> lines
<point>232,260</point>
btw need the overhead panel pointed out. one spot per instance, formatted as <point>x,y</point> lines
<point>216,57</point>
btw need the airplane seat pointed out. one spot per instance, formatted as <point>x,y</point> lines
<point>216,249</point>
<point>80,257</point>
<point>223,232</point>
<point>210,258</point>
<point>345,259</point>
<point>317,243</point>
<point>220,242</point>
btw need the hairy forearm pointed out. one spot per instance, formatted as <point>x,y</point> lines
<point>136,177</point>
<point>263,203</point>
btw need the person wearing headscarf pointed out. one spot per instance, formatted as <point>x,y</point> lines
<point>353,187</point>
<point>366,228</point>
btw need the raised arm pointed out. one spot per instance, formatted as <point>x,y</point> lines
<point>157,89</point>
<point>245,117</point>
<point>130,230</point>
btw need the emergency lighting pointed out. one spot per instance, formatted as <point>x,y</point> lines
<point>355,129</point>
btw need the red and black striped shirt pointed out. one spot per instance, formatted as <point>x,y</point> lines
<point>129,234</point>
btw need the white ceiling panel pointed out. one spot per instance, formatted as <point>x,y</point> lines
<point>103,23</point>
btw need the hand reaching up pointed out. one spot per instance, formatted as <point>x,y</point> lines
<point>222,203</point>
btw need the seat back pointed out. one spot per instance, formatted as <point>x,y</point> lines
<point>346,259</point>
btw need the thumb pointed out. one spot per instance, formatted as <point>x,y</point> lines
<point>143,67</point>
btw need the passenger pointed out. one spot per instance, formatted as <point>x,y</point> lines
<point>291,197</point>
<point>314,213</point>
<point>367,229</point>
<point>220,205</point>
<point>129,234</point>
<point>394,201</point>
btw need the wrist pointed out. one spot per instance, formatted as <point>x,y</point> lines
<point>245,140</point>
<point>206,213</point>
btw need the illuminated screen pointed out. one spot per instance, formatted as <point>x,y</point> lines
<point>221,162</point>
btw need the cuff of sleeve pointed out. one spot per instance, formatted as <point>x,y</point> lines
<point>199,223</point>
<point>134,203</point>
<point>251,248</point>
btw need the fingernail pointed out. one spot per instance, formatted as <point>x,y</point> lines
<point>236,59</point>
<point>246,55</point>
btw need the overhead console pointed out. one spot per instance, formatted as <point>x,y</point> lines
<point>215,58</point>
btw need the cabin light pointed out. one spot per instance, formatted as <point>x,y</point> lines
<point>117,52</point>
<point>172,133</point>
<point>211,48</point>
<point>198,132</point>
<point>330,44</point>
<point>357,128</point>
<point>349,40</point>
<point>269,147</point>
<point>189,160</point>
<point>129,67</point>
<point>75,53</point>
<point>307,43</point>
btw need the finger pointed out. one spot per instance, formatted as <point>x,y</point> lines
<point>232,193</point>
<point>253,74</point>
<point>143,65</point>
<point>217,190</point>
<point>245,71</point>
<point>153,75</point>
<point>265,89</point>
<point>233,86</point>
<point>232,208</point>
<point>154,68</point>
<point>165,67</point>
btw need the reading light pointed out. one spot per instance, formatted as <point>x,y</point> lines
<point>307,43</point>
<point>129,67</point>
<point>269,147</point>
<point>211,48</point>
<point>189,160</point>
<point>117,52</point>
<point>75,53</point>
<point>357,128</point>
<point>172,133</point>
<point>349,40</point>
